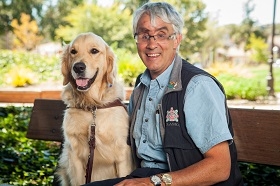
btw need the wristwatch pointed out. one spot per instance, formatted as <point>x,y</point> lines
<point>167,179</point>
<point>155,180</point>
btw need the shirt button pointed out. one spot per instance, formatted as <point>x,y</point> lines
<point>144,141</point>
<point>146,120</point>
<point>150,99</point>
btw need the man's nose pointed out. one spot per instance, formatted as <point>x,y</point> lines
<point>152,43</point>
<point>153,37</point>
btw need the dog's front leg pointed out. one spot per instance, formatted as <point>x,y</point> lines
<point>125,166</point>
<point>76,170</point>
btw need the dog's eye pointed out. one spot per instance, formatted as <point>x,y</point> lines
<point>73,51</point>
<point>94,51</point>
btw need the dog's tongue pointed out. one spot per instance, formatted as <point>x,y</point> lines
<point>82,82</point>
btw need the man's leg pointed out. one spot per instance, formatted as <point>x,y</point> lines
<point>138,173</point>
<point>109,182</point>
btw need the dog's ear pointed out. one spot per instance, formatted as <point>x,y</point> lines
<point>111,66</point>
<point>64,65</point>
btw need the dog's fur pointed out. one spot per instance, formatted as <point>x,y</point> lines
<point>89,72</point>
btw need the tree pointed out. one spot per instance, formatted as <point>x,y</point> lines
<point>12,9</point>
<point>26,32</point>
<point>113,24</point>
<point>215,37</point>
<point>241,33</point>
<point>131,5</point>
<point>259,49</point>
<point>55,13</point>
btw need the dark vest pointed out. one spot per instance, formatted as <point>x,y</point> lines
<point>178,145</point>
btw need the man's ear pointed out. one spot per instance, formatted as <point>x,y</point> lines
<point>177,40</point>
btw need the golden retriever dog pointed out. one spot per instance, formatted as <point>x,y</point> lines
<point>89,72</point>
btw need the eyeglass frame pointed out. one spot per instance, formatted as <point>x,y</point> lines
<point>154,36</point>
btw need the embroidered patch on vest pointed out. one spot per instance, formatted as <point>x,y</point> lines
<point>172,84</point>
<point>172,115</point>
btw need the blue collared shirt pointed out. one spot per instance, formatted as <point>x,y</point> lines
<point>206,121</point>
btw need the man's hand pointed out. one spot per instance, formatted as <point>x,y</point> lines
<point>135,181</point>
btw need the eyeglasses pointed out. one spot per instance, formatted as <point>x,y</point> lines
<point>159,38</point>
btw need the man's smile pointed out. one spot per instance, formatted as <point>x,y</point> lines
<point>153,55</point>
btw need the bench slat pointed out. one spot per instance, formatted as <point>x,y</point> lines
<point>257,135</point>
<point>46,120</point>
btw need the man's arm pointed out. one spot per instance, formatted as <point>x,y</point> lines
<point>214,168</point>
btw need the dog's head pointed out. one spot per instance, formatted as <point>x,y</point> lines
<point>86,60</point>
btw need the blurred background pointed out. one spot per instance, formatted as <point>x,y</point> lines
<point>235,38</point>
<point>236,41</point>
<point>230,39</point>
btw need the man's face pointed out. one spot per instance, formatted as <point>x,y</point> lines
<point>156,55</point>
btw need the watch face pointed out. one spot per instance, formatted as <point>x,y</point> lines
<point>156,180</point>
<point>166,178</point>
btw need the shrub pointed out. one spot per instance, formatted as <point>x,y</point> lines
<point>24,161</point>
<point>129,67</point>
<point>42,68</point>
<point>242,87</point>
<point>20,76</point>
<point>244,82</point>
<point>258,174</point>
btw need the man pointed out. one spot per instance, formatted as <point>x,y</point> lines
<point>181,131</point>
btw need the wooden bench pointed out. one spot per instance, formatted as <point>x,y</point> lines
<point>256,132</point>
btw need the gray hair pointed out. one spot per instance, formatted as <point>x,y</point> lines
<point>162,10</point>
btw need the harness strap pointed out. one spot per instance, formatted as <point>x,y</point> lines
<point>91,154</point>
<point>115,103</point>
<point>91,141</point>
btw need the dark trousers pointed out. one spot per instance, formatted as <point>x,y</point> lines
<point>138,173</point>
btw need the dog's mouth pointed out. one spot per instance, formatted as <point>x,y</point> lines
<point>85,83</point>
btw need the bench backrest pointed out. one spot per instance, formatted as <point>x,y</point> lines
<point>46,120</point>
<point>256,132</point>
<point>257,135</point>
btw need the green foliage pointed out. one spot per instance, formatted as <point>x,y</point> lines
<point>111,23</point>
<point>259,48</point>
<point>242,87</point>
<point>20,76</point>
<point>44,68</point>
<point>129,67</point>
<point>54,15</point>
<point>13,8</point>
<point>258,174</point>
<point>276,74</point>
<point>240,34</point>
<point>26,32</point>
<point>24,161</point>
<point>244,82</point>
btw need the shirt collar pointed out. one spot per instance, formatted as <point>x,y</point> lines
<point>162,79</point>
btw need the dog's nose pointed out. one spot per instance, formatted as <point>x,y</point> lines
<point>79,67</point>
